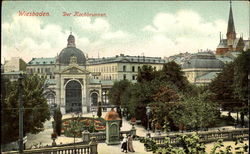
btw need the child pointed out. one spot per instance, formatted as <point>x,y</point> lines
<point>125,145</point>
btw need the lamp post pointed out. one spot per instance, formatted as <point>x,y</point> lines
<point>148,113</point>
<point>20,78</point>
<point>248,105</point>
<point>93,114</point>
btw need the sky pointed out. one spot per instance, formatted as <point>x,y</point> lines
<point>150,28</point>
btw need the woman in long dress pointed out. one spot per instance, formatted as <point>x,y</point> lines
<point>130,144</point>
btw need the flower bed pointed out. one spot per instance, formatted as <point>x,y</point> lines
<point>74,126</point>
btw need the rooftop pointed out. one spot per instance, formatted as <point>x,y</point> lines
<point>42,61</point>
<point>126,59</point>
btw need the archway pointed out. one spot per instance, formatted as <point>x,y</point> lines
<point>73,97</point>
<point>94,99</point>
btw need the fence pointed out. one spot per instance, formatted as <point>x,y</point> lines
<point>91,148</point>
<point>208,136</point>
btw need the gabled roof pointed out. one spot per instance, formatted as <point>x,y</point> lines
<point>223,43</point>
<point>238,42</point>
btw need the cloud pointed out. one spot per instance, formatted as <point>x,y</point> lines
<point>89,24</point>
<point>115,35</point>
<point>183,31</point>
<point>28,37</point>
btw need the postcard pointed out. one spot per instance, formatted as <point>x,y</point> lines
<point>124,76</point>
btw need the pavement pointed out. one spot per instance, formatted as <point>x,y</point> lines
<point>44,138</point>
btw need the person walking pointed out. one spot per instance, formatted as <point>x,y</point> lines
<point>130,144</point>
<point>125,145</point>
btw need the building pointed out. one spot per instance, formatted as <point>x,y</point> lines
<point>121,67</point>
<point>14,64</point>
<point>202,67</point>
<point>231,43</point>
<point>43,67</point>
<point>76,83</point>
<point>13,67</point>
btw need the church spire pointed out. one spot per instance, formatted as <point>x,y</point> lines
<point>231,35</point>
<point>230,26</point>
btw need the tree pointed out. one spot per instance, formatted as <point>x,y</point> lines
<point>230,86</point>
<point>171,72</point>
<point>196,112</point>
<point>58,121</point>
<point>36,108</point>
<point>116,92</point>
<point>240,84</point>
<point>145,74</point>
<point>99,111</point>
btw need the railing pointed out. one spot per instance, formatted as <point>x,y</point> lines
<point>101,136</point>
<point>84,149</point>
<point>208,136</point>
<point>91,148</point>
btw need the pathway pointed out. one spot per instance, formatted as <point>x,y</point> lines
<point>45,138</point>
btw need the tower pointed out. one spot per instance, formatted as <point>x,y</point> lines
<point>231,35</point>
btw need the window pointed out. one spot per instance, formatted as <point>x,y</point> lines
<point>124,68</point>
<point>124,76</point>
<point>110,78</point>
<point>133,77</point>
<point>38,70</point>
<point>133,68</point>
<point>139,68</point>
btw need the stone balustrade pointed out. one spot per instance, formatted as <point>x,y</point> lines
<point>90,148</point>
<point>208,136</point>
<point>101,136</point>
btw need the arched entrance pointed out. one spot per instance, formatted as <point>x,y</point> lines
<point>73,97</point>
<point>94,99</point>
<point>50,98</point>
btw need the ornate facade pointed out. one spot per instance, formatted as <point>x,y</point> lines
<point>76,83</point>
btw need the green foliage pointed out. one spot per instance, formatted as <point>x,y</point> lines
<point>219,147</point>
<point>58,121</point>
<point>36,108</point>
<point>222,85</point>
<point>185,145</point>
<point>242,65</point>
<point>146,74</point>
<point>231,85</point>
<point>171,72</point>
<point>116,92</point>
<point>196,112</point>
<point>99,111</point>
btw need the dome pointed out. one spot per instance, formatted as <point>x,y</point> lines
<point>71,50</point>
<point>112,115</point>
<point>203,60</point>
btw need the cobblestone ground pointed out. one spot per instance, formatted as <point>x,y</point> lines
<point>44,138</point>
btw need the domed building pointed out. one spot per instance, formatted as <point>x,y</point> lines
<point>202,67</point>
<point>74,86</point>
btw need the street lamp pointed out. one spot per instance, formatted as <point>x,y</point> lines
<point>21,108</point>
<point>93,114</point>
<point>148,113</point>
